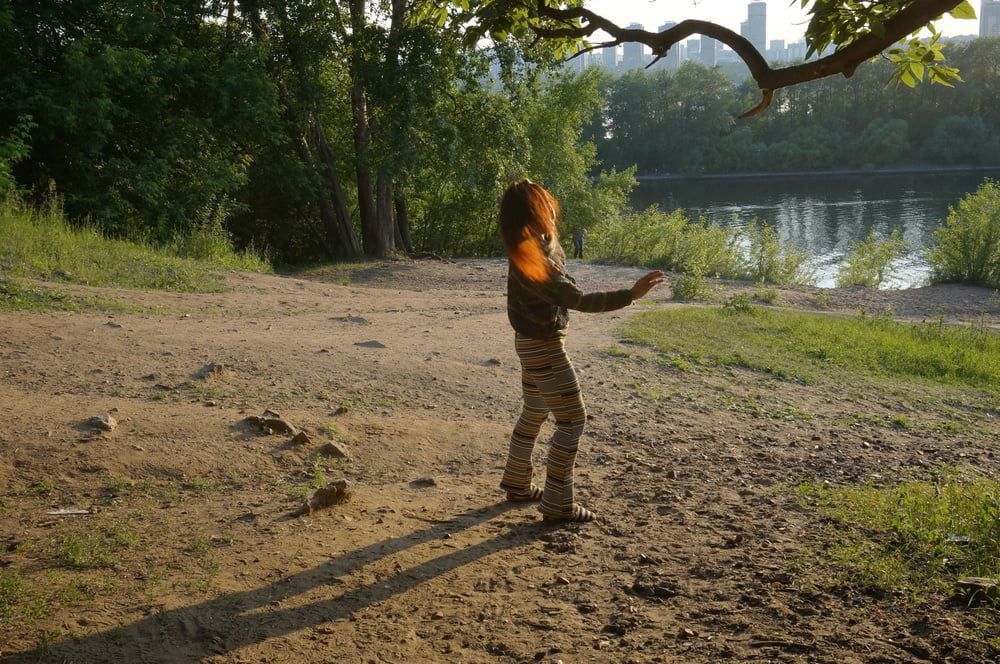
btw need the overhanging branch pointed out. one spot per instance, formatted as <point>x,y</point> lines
<point>580,23</point>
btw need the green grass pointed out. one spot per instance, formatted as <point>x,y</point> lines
<point>17,296</point>
<point>918,537</point>
<point>100,547</point>
<point>40,243</point>
<point>808,346</point>
<point>11,592</point>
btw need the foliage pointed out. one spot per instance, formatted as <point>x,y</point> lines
<point>773,262</point>
<point>967,247</point>
<point>808,346</point>
<point>669,241</point>
<point>13,148</point>
<point>870,260</point>
<point>918,536</point>
<point>38,242</point>
<point>833,123</point>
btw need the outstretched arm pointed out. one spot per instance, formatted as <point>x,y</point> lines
<point>561,291</point>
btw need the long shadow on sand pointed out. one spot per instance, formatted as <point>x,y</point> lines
<point>191,633</point>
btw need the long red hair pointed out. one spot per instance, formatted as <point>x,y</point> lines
<point>527,213</point>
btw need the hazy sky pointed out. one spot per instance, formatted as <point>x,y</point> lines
<point>784,19</point>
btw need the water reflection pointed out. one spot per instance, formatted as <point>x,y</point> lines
<point>828,214</point>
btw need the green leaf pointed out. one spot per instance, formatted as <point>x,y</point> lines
<point>964,10</point>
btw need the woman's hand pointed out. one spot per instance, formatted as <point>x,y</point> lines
<point>644,284</point>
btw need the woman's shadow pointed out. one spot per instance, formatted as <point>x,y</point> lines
<point>230,622</point>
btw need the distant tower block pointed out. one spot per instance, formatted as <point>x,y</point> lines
<point>609,58</point>
<point>632,52</point>
<point>989,19</point>
<point>755,27</point>
<point>672,60</point>
<point>708,53</point>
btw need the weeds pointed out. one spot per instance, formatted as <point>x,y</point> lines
<point>870,261</point>
<point>805,346</point>
<point>918,536</point>
<point>40,243</point>
<point>967,247</point>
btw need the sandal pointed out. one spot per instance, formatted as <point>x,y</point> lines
<point>532,495</point>
<point>579,514</point>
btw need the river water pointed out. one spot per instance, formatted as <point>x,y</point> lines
<point>826,214</point>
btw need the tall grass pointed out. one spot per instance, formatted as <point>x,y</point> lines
<point>671,241</point>
<point>918,536</point>
<point>38,242</point>
<point>967,247</point>
<point>870,261</point>
<point>808,346</point>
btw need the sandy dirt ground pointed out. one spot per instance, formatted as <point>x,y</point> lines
<point>703,551</point>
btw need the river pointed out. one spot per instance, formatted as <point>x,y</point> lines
<point>826,214</point>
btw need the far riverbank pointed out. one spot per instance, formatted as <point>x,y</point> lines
<point>915,170</point>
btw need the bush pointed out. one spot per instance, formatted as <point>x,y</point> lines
<point>13,148</point>
<point>870,260</point>
<point>38,242</point>
<point>967,247</point>
<point>668,241</point>
<point>769,261</point>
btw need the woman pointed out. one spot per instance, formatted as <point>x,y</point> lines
<point>539,293</point>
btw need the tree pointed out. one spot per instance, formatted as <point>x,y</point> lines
<point>858,30</point>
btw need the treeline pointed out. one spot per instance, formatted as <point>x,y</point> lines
<point>683,122</point>
<point>312,129</point>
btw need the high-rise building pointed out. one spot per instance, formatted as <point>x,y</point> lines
<point>609,58</point>
<point>755,27</point>
<point>707,52</point>
<point>777,52</point>
<point>632,52</point>
<point>694,49</point>
<point>989,19</point>
<point>672,60</point>
<point>796,51</point>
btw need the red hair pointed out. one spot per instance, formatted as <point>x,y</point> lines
<point>528,212</point>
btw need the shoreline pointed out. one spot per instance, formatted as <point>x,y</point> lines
<point>788,175</point>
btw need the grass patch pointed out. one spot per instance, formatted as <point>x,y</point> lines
<point>11,593</point>
<point>916,538</point>
<point>17,296</point>
<point>40,243</point>
<point>96,548</point>
<point>806,346</point>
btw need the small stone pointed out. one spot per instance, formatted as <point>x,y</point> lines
<point>423,482</point>
<point>211,370</point>
<point>333,449</point>
<point>340,410</point>
<point>301,438</point>
<point>332,494</point>
<point>562,580</point>
<point>978,589</point>
<point>370,344</point>
<point>492,362</point>
<point>103,422</point>
<point>211,403</point>
<point>686,633</point>
<point>113,324</point>
<point>437,615</point>
<point>865,444</point>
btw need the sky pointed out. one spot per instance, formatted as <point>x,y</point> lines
<point>785,19</point>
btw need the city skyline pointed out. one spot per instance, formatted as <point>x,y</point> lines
<point>784,21</point>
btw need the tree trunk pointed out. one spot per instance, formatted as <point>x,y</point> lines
<point>343,229</point>
<point>403,222</point>
<point>362,138</point>
<point>339,236</point>
<point>384,213</point>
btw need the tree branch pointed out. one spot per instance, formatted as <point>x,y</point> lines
<point>844,61</point>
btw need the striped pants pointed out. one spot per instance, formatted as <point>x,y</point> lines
<point>550,386</point>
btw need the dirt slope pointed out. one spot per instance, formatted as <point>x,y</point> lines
<point>703,552</point>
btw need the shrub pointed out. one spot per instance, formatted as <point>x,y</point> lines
<point>870,260</point>
<point>770,261</point>
<point>688,286</point>
<point>669,241</point>
<point>967,247</point>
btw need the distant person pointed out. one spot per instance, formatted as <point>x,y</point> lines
<point>539,292</point>
<point>579,236</point>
